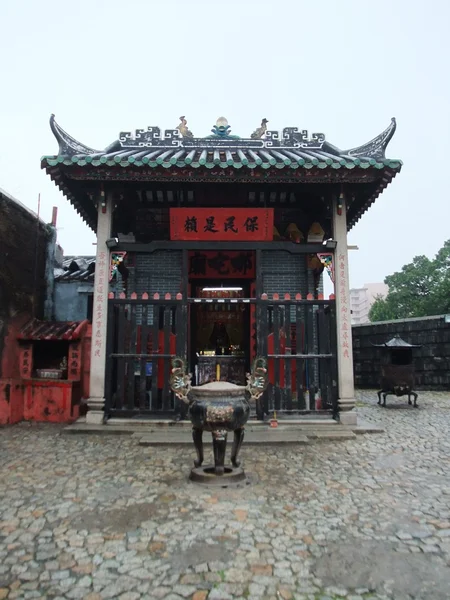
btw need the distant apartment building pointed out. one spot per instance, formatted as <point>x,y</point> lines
<point>361,299</point>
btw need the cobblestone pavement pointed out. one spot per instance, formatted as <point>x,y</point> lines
<point>100,517</point>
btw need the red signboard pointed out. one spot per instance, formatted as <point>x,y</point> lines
<point>221,224</point>
<point>222,264</point>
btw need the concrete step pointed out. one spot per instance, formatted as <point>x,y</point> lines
<point>255,432</point>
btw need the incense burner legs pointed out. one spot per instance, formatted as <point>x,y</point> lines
<point>408,393</point>
<point>237,443</point>
<point>197,436</point>
<point>219,439</point>
<point>219,449</point>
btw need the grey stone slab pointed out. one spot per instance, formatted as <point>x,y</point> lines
<point>379,567</point>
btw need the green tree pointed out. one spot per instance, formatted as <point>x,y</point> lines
<point>420,289</point>
<point>382,310</point>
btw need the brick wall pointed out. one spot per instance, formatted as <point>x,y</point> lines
<point>432,361</point>
<point>285,273</point>
<point>159,272</point>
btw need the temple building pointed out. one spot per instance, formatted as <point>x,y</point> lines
<point>214,248</point>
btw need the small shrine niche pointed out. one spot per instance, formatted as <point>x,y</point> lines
<point>51,350</point>
<point>51,369</point>
<point>50,359</point>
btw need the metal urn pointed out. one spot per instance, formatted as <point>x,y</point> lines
<point>218,407</point>
<point>397,370</point>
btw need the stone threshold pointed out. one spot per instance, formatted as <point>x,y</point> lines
<point>169,423</point>
<point>148,433</point>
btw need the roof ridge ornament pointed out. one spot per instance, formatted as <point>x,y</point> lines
<point>260,131</point>
<point>184,129</point>
<point>67,144</point>
<point>376,148</point>
<point>222,130</point>
<point>294,138</point>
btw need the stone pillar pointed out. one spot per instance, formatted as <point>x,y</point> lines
<point>100,312</point>
<point>343,314</point>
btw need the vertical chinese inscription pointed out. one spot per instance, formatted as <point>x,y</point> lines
<point>101,289</point>
<point>344,311</point>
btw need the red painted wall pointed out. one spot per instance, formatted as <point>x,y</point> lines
<point>51,401</point>
<point>11,388</point>
<point>11,401</point>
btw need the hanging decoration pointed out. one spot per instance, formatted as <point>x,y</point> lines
<point>117,259</point>
<point>316,233</point>
<point>294,234</point>
<point>326,259</point>
<point>340,203</point>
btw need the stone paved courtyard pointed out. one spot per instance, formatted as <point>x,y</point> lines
<point>96,517</point>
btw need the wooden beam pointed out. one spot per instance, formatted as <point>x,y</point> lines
<point>249,246</point>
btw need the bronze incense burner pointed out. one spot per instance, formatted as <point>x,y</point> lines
<point>218,407</point>
<point>397,370</point>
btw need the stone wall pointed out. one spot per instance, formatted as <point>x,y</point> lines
<point>23,252</point>
<point>71,300</point>
<point>432,361</point>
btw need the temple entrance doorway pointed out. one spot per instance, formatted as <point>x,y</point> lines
<point>220,345</point>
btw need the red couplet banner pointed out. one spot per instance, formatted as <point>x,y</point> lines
<point>221,224</point>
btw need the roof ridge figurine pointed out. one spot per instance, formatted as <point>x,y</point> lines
<point>184,129</point>
<point>260,131</point>
<point>222,130</point>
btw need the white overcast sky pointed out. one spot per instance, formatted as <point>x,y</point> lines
<point>343,68</point>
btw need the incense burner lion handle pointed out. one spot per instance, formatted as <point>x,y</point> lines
<point>257,379</point>
<point>180,381</point>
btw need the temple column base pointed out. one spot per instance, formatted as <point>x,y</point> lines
<point>95,414</point>
<point>347,414</point>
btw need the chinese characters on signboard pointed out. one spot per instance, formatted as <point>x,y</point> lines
<point>221,224</point>
<point>101,292</point>
<point>211,265</point>
<point>344,317</point>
